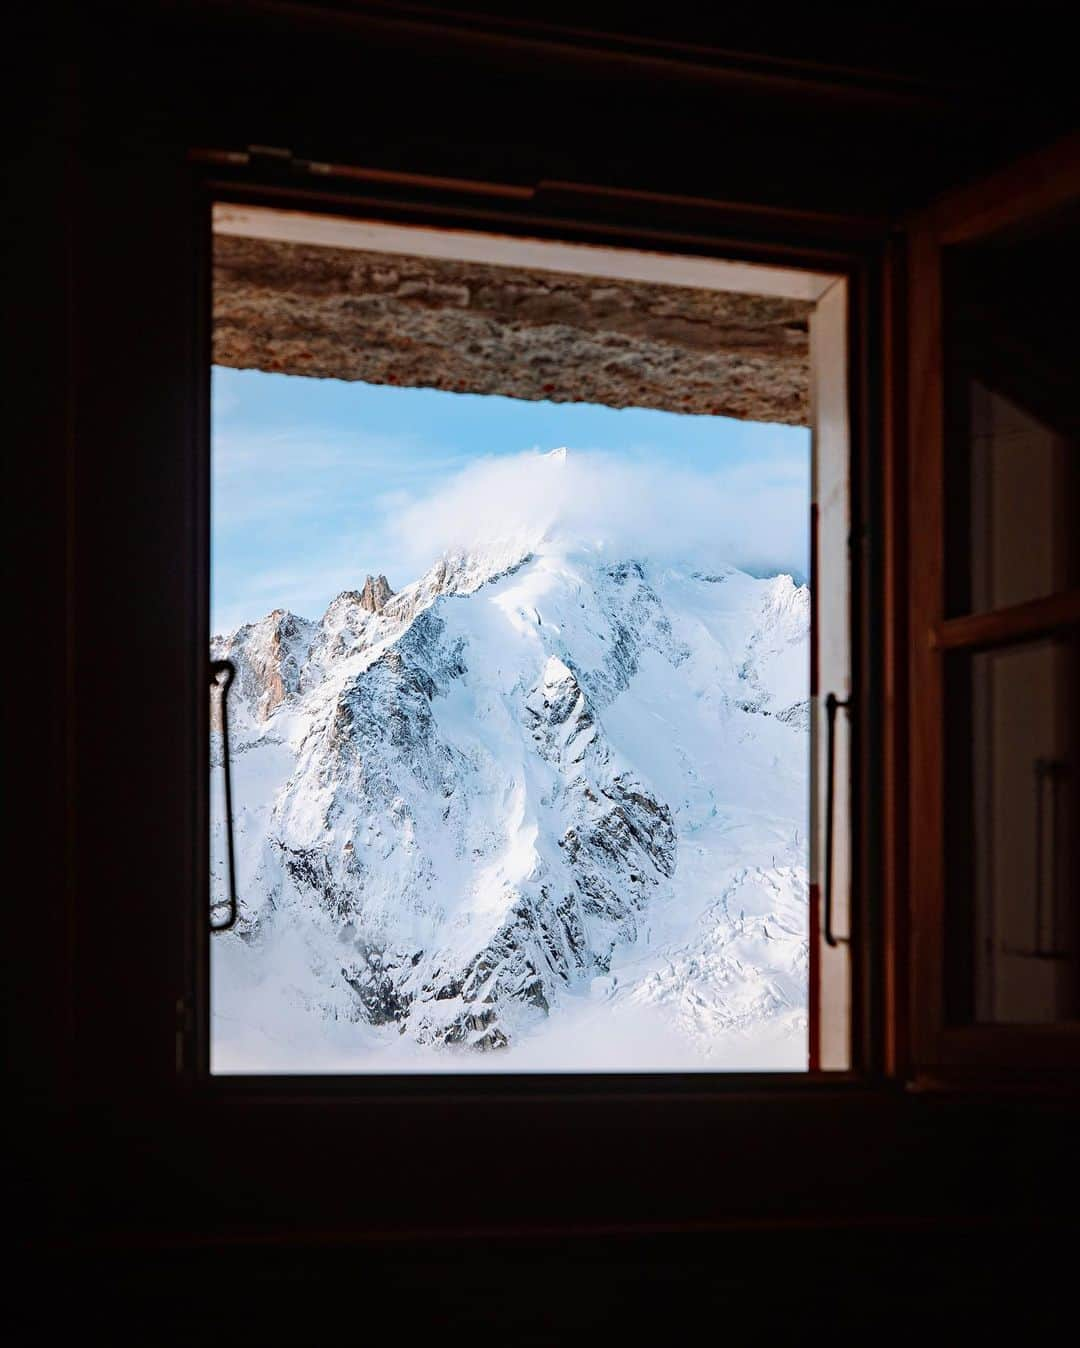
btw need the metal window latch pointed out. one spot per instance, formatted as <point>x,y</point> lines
<point>228,669</point>
<point>832,705</point>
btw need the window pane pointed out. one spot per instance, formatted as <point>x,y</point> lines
<point>1012,464</point>
<point>1021,539</point>
<point>1013,825</point>
<point>520,729</point>
<point>533,794</point>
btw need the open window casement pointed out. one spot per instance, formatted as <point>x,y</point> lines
<point>268,235</point>
<point>994,623</point>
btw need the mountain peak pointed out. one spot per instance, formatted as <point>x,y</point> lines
<point>375,593</point>
<point>557,455</point>
<point>462,827</point>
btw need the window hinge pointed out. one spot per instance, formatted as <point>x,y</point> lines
<point>276,152</point>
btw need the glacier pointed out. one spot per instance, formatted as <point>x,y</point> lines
<point>543,809</point>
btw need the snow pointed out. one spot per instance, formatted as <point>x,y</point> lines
<point>547,811</point>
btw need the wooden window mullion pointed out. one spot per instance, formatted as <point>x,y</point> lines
<point>1001,627</point>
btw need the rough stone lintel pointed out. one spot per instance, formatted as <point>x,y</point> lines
<point>470,328</point>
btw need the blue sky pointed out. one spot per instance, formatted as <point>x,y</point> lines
<point>317,482</point>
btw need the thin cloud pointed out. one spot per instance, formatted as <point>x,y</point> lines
<point>304,587</point>
<point>751,515</point>
<point>298,474</point>
<point>301,512</point>
<point>754,517</point>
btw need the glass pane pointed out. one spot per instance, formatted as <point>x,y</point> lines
<point>1021,539</point>
<point>1013,798</point>
<point>520,725</point>
<point>1012,462</point>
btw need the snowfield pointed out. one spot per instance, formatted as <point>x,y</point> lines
<point>545,809</point>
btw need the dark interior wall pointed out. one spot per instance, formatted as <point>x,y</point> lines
<point>812,110</point>
<point>104,324</point>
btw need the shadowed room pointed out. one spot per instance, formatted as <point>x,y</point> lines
<point>544,770</point>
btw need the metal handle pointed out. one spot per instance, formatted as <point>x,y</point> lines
<point>227,668</point>
<point>832,706</point>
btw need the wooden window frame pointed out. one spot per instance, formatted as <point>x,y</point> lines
<point>1026,190</point>
<point>286,1149</point>
<point>855,263</point>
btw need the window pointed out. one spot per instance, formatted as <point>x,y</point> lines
<point>551,798</point>
<point>995,608</point>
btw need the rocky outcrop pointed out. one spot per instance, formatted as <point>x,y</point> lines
<point>375,593</point>
<point>269,656</point>
<point>467,327</point>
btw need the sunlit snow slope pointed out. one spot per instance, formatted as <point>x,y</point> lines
<point>543,801</point>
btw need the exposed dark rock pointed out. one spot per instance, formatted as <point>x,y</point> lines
<point>269,657</point>
<point>375,593</point>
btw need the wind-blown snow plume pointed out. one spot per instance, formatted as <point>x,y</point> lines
<point>748,517</point>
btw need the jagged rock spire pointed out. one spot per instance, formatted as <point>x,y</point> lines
<point>375,593</point>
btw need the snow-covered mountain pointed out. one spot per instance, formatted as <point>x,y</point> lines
<point>542,800</point>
